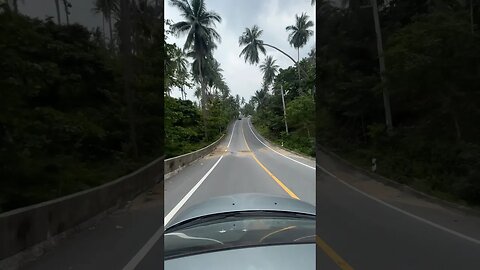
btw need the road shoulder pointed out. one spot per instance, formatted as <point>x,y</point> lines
<point>460,219</point>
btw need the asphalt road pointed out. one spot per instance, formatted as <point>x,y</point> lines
<point>361,224</point>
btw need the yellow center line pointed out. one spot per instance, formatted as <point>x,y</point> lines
<point>342,264</point>
<point>332,254</point>
<point>280,183</point>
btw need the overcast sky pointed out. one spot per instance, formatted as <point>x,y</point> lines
<point>272,16</point>
<point>81,11</point>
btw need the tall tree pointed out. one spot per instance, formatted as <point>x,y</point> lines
<point>199,26</point>
<point>126,56</point>
<point>57,6</point>
<point>299,34</point>
<point>181,71</point>
<point>250,38</point>
<point>269,70</point>
<point>107,8</point>
<point>67,5</point>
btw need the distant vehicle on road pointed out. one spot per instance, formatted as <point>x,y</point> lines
<point>243,231</point>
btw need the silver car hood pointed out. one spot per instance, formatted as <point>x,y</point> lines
<point>243,202</point>
<point>281,257</point>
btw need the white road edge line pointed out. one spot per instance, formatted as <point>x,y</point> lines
<point>313,168</point>
<point>471,239</point>
<point>228,145</point>
<point>156,236</point>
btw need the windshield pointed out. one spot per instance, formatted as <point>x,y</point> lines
<point>239,230</point>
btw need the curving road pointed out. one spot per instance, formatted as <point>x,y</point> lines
<point>361,224</point>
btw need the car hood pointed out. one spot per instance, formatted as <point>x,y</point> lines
<point>243,202</point>
<point>300,256</point>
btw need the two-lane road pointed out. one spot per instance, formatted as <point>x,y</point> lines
<point>361,224</point>
<point>241,164</point>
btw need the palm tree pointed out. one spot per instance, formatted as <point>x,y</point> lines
<point>125,31</point>
<point>15,6</point>
<point>67,5</point>
<point>253,44</point>
<point>181,72</point>
<point>269,70</point>
<point>57,6</point>
<point>201,36</point>
<point>107,8</point>
<point>198,93</point>
<point>259,97</point>
<point>299,35</point>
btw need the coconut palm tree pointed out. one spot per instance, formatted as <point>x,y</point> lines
<point>67,5</point>
<point>269,70</point>
<point>253,44</point>
<point>299,35</point>
<point>181,72</point>
<point>250,38</point>
<point>199,26</point>
<point>259,97</point>
<point>107,8</point>
<point>57,6</point>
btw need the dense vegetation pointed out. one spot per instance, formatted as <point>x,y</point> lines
<point>74,111</point>
<point>432,55</point>
<point>297,82</point>
<point>189,127</point>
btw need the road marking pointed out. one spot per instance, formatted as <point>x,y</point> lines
<point>322,244</point>
<point>313,168</point>
<point>228,145</point>
<point>280,183</point>
<point>440,227</point>
<point>332,254</point>
<point>156,236</point>
<point>188,195</point>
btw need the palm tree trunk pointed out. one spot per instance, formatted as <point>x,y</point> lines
<point>15,6</point>
<point>471,17</point>
<point>298,64</point>
<point>65,4</point>
<point>125,48</point>
<point>103,28</point>
<point>57,5</point>
<point>203,101</point>
<point>271,46</point>
<point>110,30</point>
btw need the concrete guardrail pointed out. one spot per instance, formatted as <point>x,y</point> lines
<point>23,228</point>
<point>174,164</point>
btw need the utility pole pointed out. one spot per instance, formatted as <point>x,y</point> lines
<point>284,111</point>
<point>381,60</point>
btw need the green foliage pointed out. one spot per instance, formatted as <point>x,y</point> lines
<point>63,124</point>
<point>433,77</point>
<point>267,109</point>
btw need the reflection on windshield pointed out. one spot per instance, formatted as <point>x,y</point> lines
<point>235,232</point>
<point>277,231</point>
<point>184,236</point>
